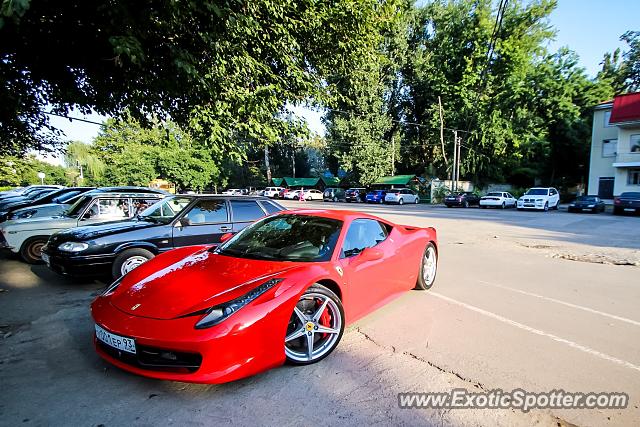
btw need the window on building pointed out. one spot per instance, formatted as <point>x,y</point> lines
<point>607,117</point>
<point>609,147</point>
<point>633,176</point>
<point>635,143</point>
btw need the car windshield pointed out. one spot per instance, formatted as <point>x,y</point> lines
<point>537,192</point>
<point>495,194</point>
<point>75,209</point>
<point>287,237</point>
<point>586,199</point>
<point>165,210</point>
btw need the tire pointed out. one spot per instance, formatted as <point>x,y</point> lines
<point>546,206</point>
<point>428,268</point>
<point>465,204</point>
<point>128,260</point>
<point>381,201</point>
<point>557,206</point>
<point>504,205</point>
<point>31,249</point>
<point>306,319</point>
<point>417,201</point>
<point>400,201</point>
<point>335,199</point>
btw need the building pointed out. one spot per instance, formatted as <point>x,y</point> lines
<point>615,147</point>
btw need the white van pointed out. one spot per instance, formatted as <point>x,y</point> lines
<point>272,192</point>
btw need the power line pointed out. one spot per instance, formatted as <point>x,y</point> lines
<point>73,118</point>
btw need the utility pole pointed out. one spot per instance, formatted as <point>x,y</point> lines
<point>455,161</point>
<point>266,163</point>
<point>293,161</point>
<point>459,142</point>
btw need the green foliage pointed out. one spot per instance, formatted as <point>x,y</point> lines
<point>21,171</point>
<point>620,69</point>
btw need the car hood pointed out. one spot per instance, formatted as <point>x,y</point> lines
<point>166,290</point>
<point>89,232</point>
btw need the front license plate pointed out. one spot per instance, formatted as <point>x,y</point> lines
<point>629,210</point>
<point>116,341</point>
<point>46,259</point>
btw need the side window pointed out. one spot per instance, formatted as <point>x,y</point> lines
<point>362,234</point>
<point>138,205</point>
<point>245,211</point>
<point>270,207</point>
<point>207,212</point>
<point>553,192</point>
<point>108,209</point>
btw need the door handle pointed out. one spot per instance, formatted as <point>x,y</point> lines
<point>225,228</point>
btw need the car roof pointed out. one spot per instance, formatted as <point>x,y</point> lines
<point>342,215</point>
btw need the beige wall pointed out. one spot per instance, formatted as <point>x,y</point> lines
<point>625,155</point>
<point>600,166</point>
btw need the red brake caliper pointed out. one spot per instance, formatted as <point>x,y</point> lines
<point>325,320</point>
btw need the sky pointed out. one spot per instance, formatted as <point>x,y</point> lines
<point>589,27</point>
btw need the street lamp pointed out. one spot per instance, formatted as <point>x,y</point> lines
<point>41,176</point>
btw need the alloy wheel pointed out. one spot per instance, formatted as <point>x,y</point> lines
<point>132,263</point>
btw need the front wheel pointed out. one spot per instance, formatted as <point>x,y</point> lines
<point>504,205</point>
<point>315,327</point>
<point>130,260</point>
<point>401,202</point>
<point>546,206</point>
<point>417,201</point>
<point>466,204</point>
<point>428,268</point>
<point>31,249</point>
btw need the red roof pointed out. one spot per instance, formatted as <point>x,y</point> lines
<point>626,108</point>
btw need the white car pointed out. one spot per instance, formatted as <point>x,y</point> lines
<point>292,195</point>
<point>272,192</point>
<point>498,199</point>
<point>401,196</point>
<point>540,198</point>
<point>234,192</point>
<point>312,195</point>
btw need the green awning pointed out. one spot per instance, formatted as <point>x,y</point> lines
<point>395,180</point>
<point>301,182</point>
<point>331,182</point>
<point>277,181</point>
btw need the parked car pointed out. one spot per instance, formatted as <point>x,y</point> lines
<point>27,236</point>
<point>283,192</point>
<point>312,194</point>
<point>60,196</point>
<point>234,192</point>
<point>292,195</point>
<point>275,293</point>
<point>176,221</point>
<point>541,198</point>
<point>463,198</point>
<point>333,194</point>
<point>29,197</point>
<point>626,202</point>
<point>401,196</point>
<point>498,199</point>
<point>24,191</point>
<point>57,209</point>
<point>272,192</point>
<point>375,196</point>
<point>587,204</point>
<point>355,195</point>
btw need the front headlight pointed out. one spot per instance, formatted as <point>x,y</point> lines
<point>220,313</point>
<point>591,206</point>
<point>73,247</point>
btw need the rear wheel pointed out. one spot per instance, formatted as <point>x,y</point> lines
<point>428,268</point>
<point>504,205</point>
<point>466,204</point>
<point>401,202</point>
<point>417,200</point>
<point>315,327</point>
<point>31,249</point>
<point>130,260</point>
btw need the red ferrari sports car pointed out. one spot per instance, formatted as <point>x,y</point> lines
<point>282,289</point>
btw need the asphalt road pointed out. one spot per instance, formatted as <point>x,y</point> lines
<point>538,301</point>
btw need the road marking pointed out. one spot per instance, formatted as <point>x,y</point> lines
<point>556,338</point>
<point>568,304</point>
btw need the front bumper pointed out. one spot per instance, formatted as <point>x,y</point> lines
<point>247,343</point>
<point>454,202</point>
<point>535,206</point>
<point>79,265</point>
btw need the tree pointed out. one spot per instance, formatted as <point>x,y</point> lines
<point>622,70</point>
<point>216,67</point>
<point>20,171</point>
<point>80,155</point>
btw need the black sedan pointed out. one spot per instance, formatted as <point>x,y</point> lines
<point>57,196</point>
<point>176,221</point>
<point>464,199</point>
<point>628,202</point>
<point>587,204</point>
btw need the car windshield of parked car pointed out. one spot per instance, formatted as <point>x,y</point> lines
<point>537,192</point>
<point>165,210</point>
<point>287,237</point>
<point>75,209</point>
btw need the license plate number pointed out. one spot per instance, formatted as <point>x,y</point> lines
<point>46,259</point>
<point>629,210</point>
<point>116,341</point>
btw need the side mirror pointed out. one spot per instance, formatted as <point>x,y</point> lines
<point>371,254</point>
<point>225,237</point>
